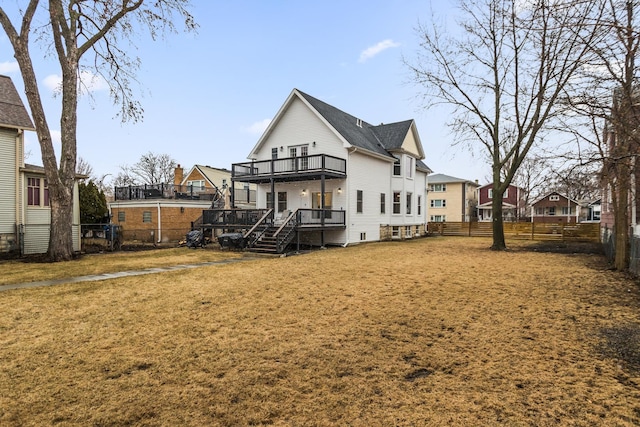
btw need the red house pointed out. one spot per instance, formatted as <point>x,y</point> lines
<point>512,203</point>
<point>555,207</point>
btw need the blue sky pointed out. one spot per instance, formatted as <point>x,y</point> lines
<point>208,96</point>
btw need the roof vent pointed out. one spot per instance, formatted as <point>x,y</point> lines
<point>359,123</point>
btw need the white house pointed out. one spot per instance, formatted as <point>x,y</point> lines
<point>25,215</point>
<point>336,179</point>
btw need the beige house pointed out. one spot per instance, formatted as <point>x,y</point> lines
<point>203,178</point>
<point>451,199</point>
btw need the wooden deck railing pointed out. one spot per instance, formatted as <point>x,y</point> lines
<point>587,232</point>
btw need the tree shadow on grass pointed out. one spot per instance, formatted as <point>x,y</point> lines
<point>623,344</point>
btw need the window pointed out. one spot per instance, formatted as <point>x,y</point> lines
<point>274,153</point>
<point>407,232</point>
<point>146,216</point>
<point>282,201</point>
<point>419,205</point>
<point>197,185</point>
<point>396,202</point>
<point>46,193</point>
<point>504,196</point>
<point>438,188</point>
<point>554,198</point>
<point>409,165</point>
<point>121,216</point>
<point>33,191</point>
<point>269,200</point>
<point>552,210</point>
<point>409,203</point>
<point>438,218</point>
<point>363,236</point>
<point>566,210</point>
<point>383,203</point>
<point>359,201</point>
<point>396,168</point>
<point>395,231</point>
<point>304,161</point>
<point>438,203</point>
<point>539,211</point>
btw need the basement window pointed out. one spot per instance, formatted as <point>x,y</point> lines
<point>146,216</point>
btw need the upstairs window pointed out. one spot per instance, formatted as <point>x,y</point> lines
<point>274,153</point>
<point>554,198</point>
<point>438,188</point>
<point>33,191</point>
<point>438,203</point>
<point>396,202</point>
<point>359,201</point>
<point>409,203</point>
<point>396,168</point>
<point>409,164</point>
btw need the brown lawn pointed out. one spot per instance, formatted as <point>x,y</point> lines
<point>437,332</point>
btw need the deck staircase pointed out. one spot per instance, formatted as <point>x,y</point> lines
<point>267,244</point>
<point>270,237</point>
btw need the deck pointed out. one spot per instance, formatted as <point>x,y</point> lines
<point>290,169</point>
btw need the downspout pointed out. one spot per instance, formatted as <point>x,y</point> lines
<point>159,224</point>
<point>18,205</point>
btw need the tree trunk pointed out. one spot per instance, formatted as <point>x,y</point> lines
<point>497,223</point>
<point>621,215</point>
<point>60,237</point>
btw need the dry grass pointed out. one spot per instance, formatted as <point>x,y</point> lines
<point>437,332</point>
<point>24,271</point>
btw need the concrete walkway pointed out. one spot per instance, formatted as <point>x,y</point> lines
<point>105,276</point>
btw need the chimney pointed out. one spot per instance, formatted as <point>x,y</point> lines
<point>178,175</point>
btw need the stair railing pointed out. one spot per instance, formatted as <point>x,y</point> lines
<point>259,228</point>
<point>285,234</point>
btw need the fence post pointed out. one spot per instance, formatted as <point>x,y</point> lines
<point>469,228</point>
<point>533,227</point>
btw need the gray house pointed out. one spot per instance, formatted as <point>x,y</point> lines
<point>25,214</point>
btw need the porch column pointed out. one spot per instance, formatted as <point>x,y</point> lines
<point>273,195</point>
<point>322,214</point>
<point>232,193</point>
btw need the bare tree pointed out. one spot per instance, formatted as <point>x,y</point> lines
<point>150,169</point>
<point>609,102</point>
<point>504,70</point>
<point>84,168</point>
<point>87,35</point>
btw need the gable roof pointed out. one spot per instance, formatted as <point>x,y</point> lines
<point>207,173</point>
<point>380,140</point>
<point>12,111</point>
<point>539,199</point>
<point>441,178</point>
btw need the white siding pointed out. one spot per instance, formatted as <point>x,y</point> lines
<point>36,230</point>
<point>7,181</point>
<point>298,126</point>
<point>370,175</point>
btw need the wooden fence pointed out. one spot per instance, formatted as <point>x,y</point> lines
<point>581,232</point>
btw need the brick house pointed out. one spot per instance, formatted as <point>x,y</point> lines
<point>162,213</point>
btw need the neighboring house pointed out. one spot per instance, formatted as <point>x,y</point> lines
<point>25,213</point>
<point>202,178</point>
<point>555,207</point>
<point>332,178</point>
<point>452,199</point>
<point>512,203</point>
<point>592,211</point>
<point>162,213</point>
